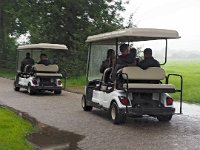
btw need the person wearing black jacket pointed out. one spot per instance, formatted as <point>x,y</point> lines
<point>148,61</point>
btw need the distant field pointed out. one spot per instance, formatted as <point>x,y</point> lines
<point>190,70</point>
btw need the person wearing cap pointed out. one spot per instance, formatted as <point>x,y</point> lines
<point>148,61</point>
<point>125,58</point>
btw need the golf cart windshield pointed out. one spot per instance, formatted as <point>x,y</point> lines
<point>99,44</point>
<point>36,49</point>
<point>98,54</point>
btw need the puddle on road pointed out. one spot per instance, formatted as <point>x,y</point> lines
<point>50,138</point>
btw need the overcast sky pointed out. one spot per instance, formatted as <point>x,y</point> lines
<point>181,15</point>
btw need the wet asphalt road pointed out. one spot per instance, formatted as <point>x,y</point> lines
<point>65,112</point>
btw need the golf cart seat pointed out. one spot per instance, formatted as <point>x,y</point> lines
<point>46,71</point>
<point>145,81</point>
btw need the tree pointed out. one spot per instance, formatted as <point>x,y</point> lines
<point>63,21</point>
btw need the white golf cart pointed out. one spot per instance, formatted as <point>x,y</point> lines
<point>38,77</point>
<point>133,98</point>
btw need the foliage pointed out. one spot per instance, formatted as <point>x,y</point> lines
<point>13,130</point>
<point>66,22</point>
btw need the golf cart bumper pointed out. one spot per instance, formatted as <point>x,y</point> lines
<point>57,88</point>
<point>149,111</point>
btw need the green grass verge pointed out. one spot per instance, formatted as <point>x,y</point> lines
<point>6,73</point>
<point>76,81</point>
<point>13,130</point>
<point>190,70</point>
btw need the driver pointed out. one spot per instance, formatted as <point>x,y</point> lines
<point>26,61</point>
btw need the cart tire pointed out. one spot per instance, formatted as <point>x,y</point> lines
<point>16,88</point>
<point>30,91</point>
<point>116,116</point>
<point>84,104</point>
<point>164,118</point>
<point>57,92</point>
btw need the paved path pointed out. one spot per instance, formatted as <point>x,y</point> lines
<point>65,113</point>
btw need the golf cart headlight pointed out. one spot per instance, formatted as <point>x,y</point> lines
<point>59,82</point>
<point>124,100</point>
<point>34,81</point>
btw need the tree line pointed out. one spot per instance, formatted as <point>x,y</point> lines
<point>66,22</point>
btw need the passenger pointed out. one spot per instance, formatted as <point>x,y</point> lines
<point>148,61</point>
<point>133,53</point>
<point>27,61</point>
<point>109,62</point>
<point>44,60</point>
<point>124,59</point>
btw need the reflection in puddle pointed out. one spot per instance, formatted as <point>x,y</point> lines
<point>52,138</point>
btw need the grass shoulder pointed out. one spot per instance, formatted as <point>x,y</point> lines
<point>13,131</point>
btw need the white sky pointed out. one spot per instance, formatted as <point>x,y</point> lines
<point>181,15</point>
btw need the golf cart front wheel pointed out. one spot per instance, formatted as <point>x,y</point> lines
<point>16,88</point>
<point>30,90</point>
<point>164,118</point>
<point>57,92</point>
<point>84,104</point>
<point>116,116</point>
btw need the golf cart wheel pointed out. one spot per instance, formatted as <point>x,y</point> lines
<point>116,116</point>
<point>29,89</point>
<point>84,104</point>
<point>164,118</point>
<point>16,88</point>
<point>57,92</point>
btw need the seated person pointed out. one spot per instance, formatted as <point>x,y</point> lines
<point>148,61</point>
<point>125,59</point>
<point>44,60</point>
<point>26,61</point>
<point>109,62</point>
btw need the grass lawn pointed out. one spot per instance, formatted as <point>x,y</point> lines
<point>190,70</point>
<point>13,130</point>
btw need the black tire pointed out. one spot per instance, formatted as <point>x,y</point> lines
<point>116,116</point>
<point>84,104</point>
<point>164,118</point>
<point>30,90</point>
<point>57,92</point>
<point>16,88</point>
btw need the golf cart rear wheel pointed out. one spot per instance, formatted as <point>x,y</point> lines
<point>116,116</point>
<point>16,88</point>
<point>164,118</point>
<point>84,104</point>
<point>29,89</point>
<point>57,92</point>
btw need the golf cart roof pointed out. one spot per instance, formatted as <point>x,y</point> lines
<point>42,46</point>
<point>133,34</point>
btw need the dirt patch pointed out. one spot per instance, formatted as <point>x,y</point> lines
<point>47,137</point>
<point>76,89</point>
